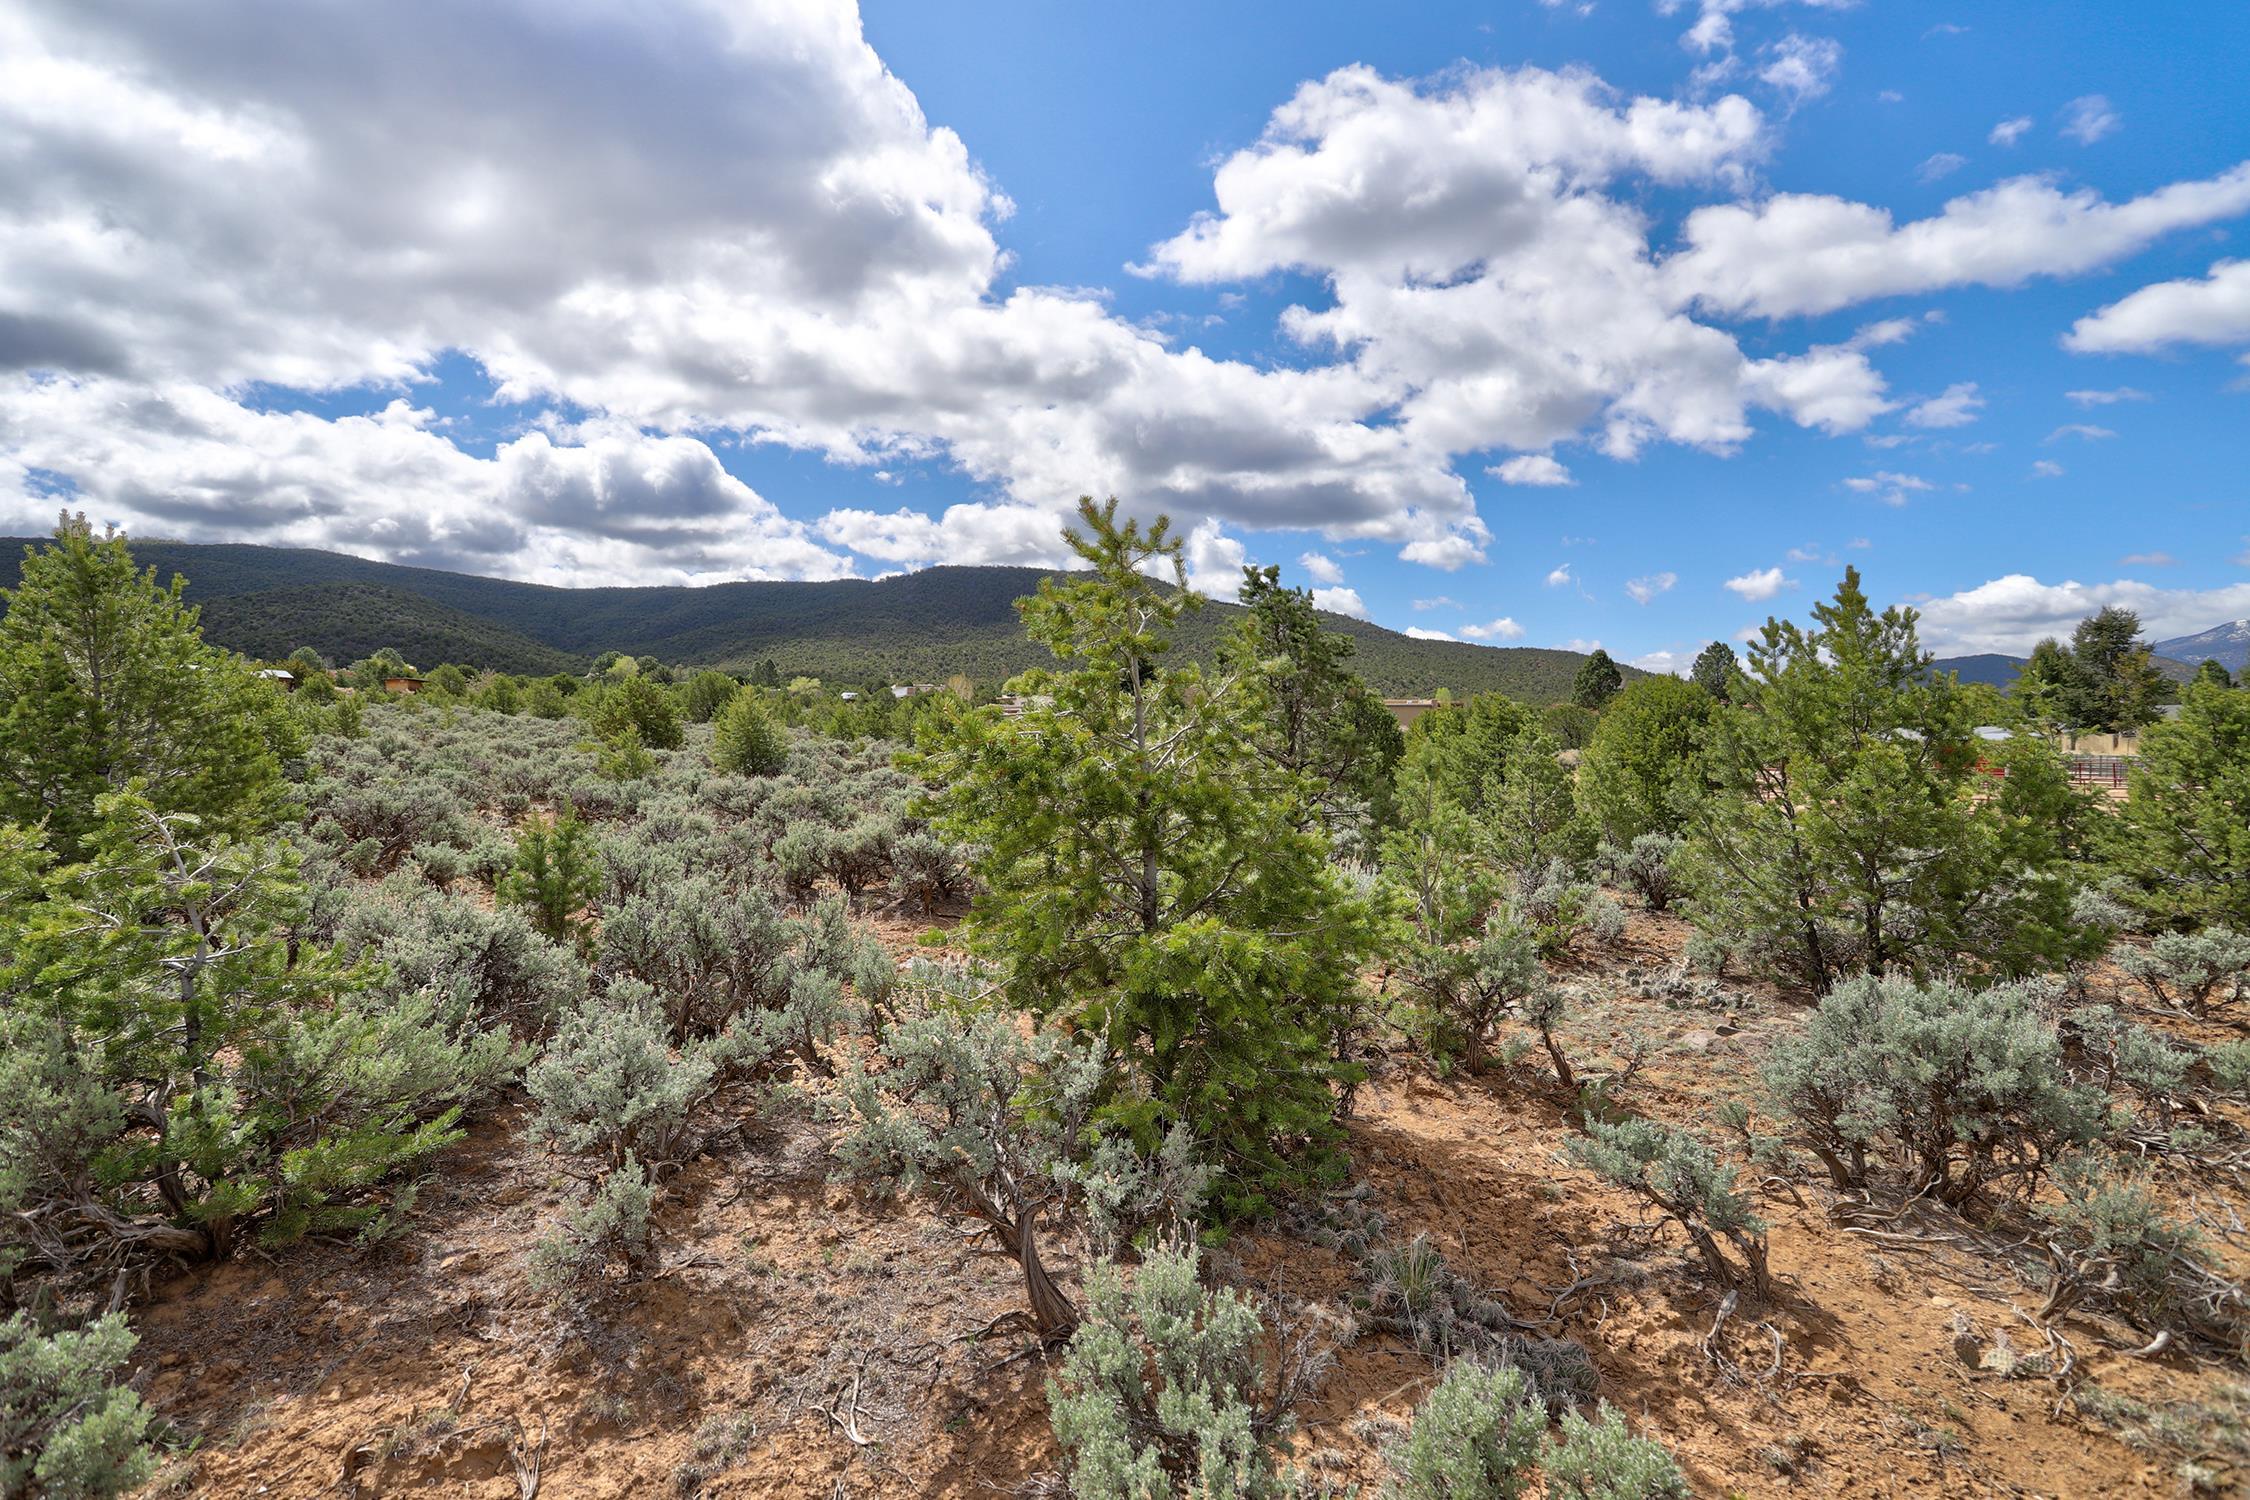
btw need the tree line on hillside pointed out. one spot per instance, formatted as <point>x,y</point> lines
<point>928,625</point>
<point>264,956</point>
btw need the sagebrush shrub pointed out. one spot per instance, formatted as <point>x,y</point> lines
<point>925,871</point>
<point>2111,1243</point>
<point>68,1431</point>
<point>800,857</point>
<point>1966,1088</point>
<point>611,1228</point>
<point>1466,991</point>
<point>1161,1390</point>
<point>1602,1460</point>
<point>1680,1176</point>
<point>2133,1059</point>
<point>610,1086</point>
<point>490,959</point>
<point>1557,907</point>
<point>969,1107</point>
<point>710,954</point>
<point>1646,867</point>
<point>2229,1066</point>
<point>1475,1436</point>
<point>2193,971</point>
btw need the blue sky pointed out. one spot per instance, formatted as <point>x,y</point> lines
<point>756,290</point>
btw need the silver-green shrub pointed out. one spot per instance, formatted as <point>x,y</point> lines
<point>1163,1390</point>
<point>1602,1460</point>
<point>610,1086</point>
<point>1475,1436</point>
<point>1964,1089</point>
<point>1678,1175</point>
<point>68,1431</point>
<point>2198,972</point>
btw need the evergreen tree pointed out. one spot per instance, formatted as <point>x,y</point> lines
<point>67,1432</point>
<point>1149,872</point>
<point>2126,687</point>
<point>557,874</point>
<point>105,679</point>
<point>500,695</point>
<point>369,673</point>
<point>2105,680</point>
<point>1324,722</point>
<point>306,662</point>
<point>746,739</point>
<point>634,702</point>
<point>2051,691</point>
<point>1714,669</point>
<point>1853,829</point>
<point>1535,812</point>
<point>177,1068</point>
<point>706,693</point>
<point>2213,673</point>
<point>1645,765</point>
<point>1570,726</point>
<point>2183,837</point>
<point>1464,748</point>
<point>1598,681</point>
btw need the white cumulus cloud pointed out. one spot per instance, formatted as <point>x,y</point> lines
<point>1642,590</point>
<point>1321,568</point>
<point>1531,468</point>
<point>1956,407</point>
<point>1799,253</point>
<point>1762,583</point>
<point>1502,629</point>
<point>1341,602</point>
<point>2011,614</point>
<point>2214,309</point>
<point>2088,118</point>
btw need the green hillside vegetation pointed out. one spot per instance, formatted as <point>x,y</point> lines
<point>349,622</point>
<point>2001,671</point>
<point>924,626</point>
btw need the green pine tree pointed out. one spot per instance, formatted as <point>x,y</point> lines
<point>1714,669</point>
<point>1647,756</point>
<point>1149,872</point>
<point>557,874</point>
<point>105,679</point>
<point>2182,839</point>
<point>1854,828</point>
<point>1324,722</point>
<point>1597,682</point>
<point>746,738</point>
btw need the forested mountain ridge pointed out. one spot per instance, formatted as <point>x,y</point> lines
<point>348,622</point>
<point>924,626</point>
<point>2000,671</point>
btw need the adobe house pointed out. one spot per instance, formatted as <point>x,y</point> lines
<point>402,684</point>
<point>1407,710</point>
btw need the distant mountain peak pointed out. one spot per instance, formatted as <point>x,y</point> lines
<point>2228,644</point>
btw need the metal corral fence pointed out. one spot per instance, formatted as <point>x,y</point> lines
<point>2099,770</point>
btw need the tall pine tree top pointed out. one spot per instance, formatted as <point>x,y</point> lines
<point>105,679</point>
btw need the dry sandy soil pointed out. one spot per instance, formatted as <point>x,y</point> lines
<point>803,1339</point>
